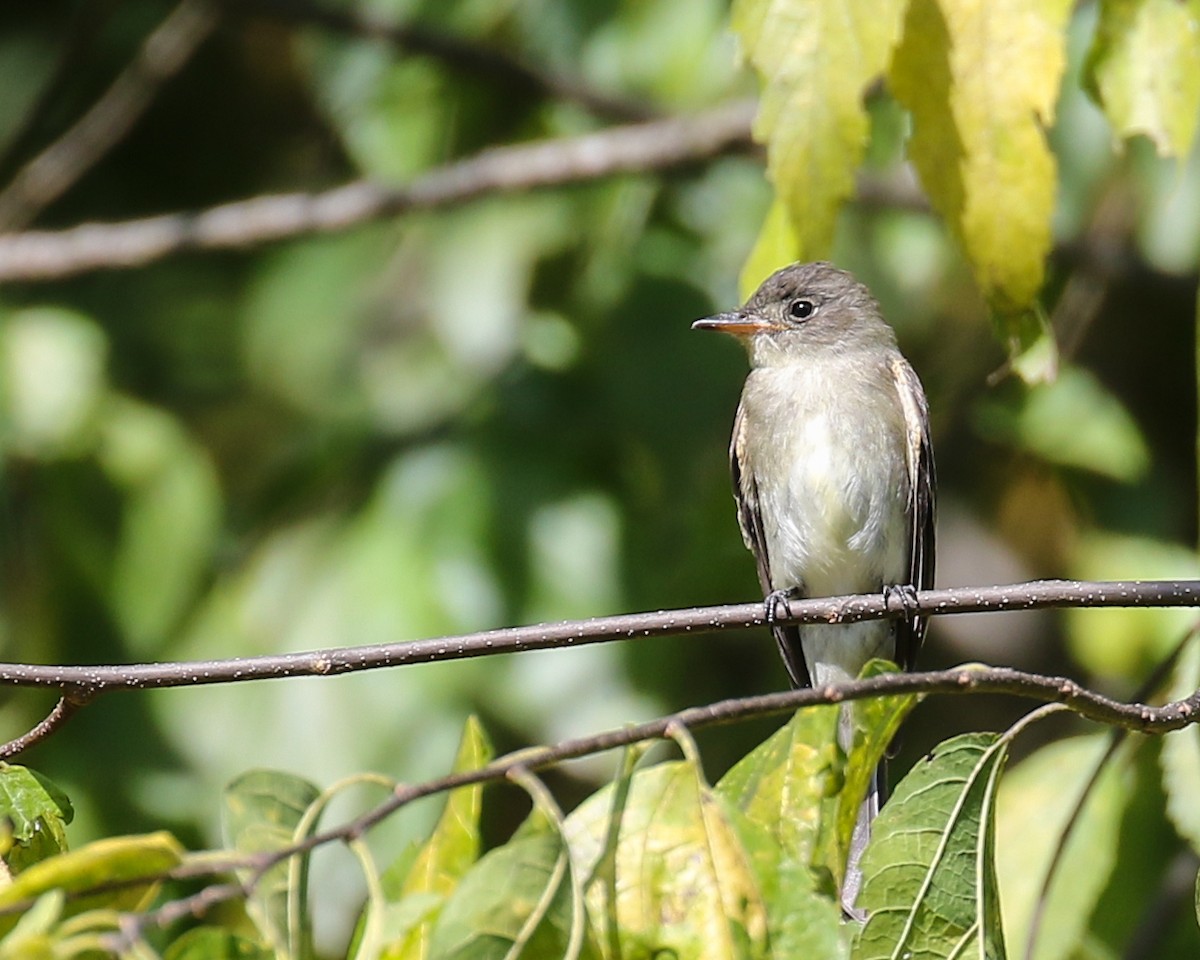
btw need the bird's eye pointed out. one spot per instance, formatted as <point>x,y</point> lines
<point>801,309</point>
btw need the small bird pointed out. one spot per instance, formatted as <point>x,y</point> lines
<point>833,477</point>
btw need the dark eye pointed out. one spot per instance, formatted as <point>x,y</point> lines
<point>801,309</point>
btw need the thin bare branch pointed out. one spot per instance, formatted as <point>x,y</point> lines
<point>52,172</point>
<point>72,700</point>
<point>462,55</point>
<point>638,148</point>
<point>632,626</point>
<point>76,39</point>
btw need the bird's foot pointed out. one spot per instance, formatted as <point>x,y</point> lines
<point>907,594</point>
<point>778,601</point>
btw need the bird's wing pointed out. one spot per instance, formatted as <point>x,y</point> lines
<point>745,492</point>
<point>921,504</point>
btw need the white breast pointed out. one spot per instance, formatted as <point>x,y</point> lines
<point>827,451</point>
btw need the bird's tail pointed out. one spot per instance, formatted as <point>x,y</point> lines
<point>876,793</point>
<point>852,883</point>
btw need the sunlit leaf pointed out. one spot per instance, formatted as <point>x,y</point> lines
<point>261,813</point>
<point>1144,70</point>
<point>37,812</point>
<point>684,883</point>
<point>929,878</point>
<point>1036,798</point>
<point>981,80</point>
<point>127,869</point>
<point>815,58</point>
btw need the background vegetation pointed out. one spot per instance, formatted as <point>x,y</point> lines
<point>493,412</point>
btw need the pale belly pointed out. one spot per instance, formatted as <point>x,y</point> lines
<point>833,489</point>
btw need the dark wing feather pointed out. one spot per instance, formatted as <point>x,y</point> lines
<point>745,492</point>
<point>921,505</point>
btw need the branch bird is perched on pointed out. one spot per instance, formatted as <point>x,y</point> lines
<point>833,475</point>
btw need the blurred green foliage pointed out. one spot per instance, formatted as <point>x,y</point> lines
<point>496,413</point>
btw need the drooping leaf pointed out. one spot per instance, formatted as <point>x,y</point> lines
<point>929,878</point>
<point>38,812</point>
<point>981,80</point>
<point>815,58</point>
<point>261,813</point>
<point>129,869</point>
<point>1036,799</point>
<point>1144,70</point>
<point>685,885</point>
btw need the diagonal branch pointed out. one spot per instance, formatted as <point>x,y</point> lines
<point>53,171</point>
<point>637,148</point>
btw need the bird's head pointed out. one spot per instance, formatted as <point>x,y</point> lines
<point>804,309</point>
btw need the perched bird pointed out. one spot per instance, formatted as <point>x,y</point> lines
<point>833,476</point>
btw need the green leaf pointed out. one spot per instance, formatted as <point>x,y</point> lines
<point>929,882</point>
<point>1144,70</point>
<point>137,860</point>
<point>261,814</point>
<point>816,58</point>
<point>788,782</point>
<point>418,883</point>
<point>215,943</point>
<point>1073,422</point>
<point>38,812</point>
<point>799,787</point>
<point>981,80</point>
<point>1181,752</point>
<point>804,920</point>
<point>1034,804</point>
<point>685,885</point>
<point>515,902</point>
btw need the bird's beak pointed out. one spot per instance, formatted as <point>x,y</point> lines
<point>737,323</point>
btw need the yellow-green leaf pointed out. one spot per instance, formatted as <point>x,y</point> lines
<point>981,80</point>
<point>685,885</point>
<point>1144,70</point>
<point>816,58</point>
<point>127,869</point>
<point>421,883</point>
